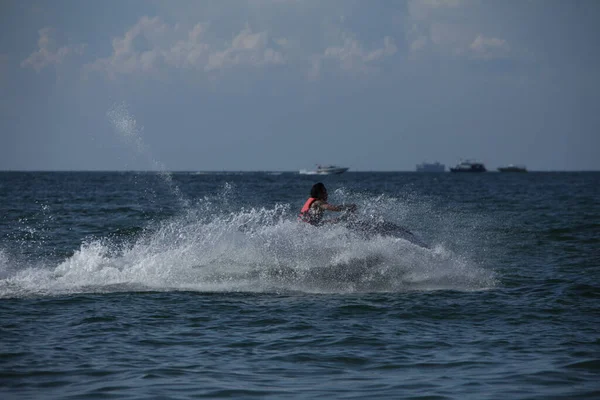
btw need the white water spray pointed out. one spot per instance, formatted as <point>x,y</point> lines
<point>208,249</point>
<point>127,127</point>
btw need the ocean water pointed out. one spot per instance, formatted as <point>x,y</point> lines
<point>204,285</point>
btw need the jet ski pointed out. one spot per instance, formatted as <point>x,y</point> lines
<point>370,228</point>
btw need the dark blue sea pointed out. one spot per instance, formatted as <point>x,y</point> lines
<point>192,285</point>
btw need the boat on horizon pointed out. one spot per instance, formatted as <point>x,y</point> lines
<point>513,168</point>
<point>325,170</point>
<point>469,166</point>
<point>431,167</point>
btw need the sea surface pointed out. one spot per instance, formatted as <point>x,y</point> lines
<point>189,285</point>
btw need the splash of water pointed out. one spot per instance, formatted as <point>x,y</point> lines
<point>131,132</point>
<point>256,250</point>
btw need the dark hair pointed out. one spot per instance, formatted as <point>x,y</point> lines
<point>318,190</point>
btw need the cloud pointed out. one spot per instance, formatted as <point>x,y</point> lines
<point>447,28</point>
<point>151,46</point>
<point>49,53</point>
<point>352,57</point>
<point>211,39</point>
<point>247,48</point>
<point>190,52</point>
<point>489,48</point>
<point>137,51</point>
<point>437,27</point>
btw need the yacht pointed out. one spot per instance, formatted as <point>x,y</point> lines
<point>469,166</point>
<point>325,170</point>
<point>513,168</point>
<point>431,167</point>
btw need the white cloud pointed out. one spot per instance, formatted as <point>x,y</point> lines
<point>49,53</point>
<point>136,51</point>
<point>352,57</point>
<point>247,48</point>
<point>488,48</point>
<point>258,35</point>
<point>190,52</point>
<point>437,26</point>
<point>150,45</point>
<point>447,28</point>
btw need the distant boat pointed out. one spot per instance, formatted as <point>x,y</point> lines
<point>325,170</point>
<point>431,167</point>
<point>469,166</point>
<point>513,168</point>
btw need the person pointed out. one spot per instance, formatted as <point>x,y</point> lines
<point>313,210</point>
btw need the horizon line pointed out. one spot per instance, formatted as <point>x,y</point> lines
<point>265,170</point>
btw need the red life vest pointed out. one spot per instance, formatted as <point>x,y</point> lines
<point>305,215</point>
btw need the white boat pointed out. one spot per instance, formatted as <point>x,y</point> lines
<point>325,170</point>
<point>469,166</point>
<point>431,167</point>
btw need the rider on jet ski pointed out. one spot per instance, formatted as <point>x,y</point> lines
<point>313,210</point>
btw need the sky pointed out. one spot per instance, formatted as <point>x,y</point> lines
<point>282,85</point>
